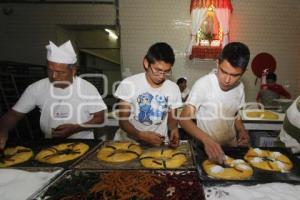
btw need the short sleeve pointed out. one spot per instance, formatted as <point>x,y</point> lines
<point>27,101</point>
<point>95,104</point>
<point>197,94</point>
<point>125,90</point>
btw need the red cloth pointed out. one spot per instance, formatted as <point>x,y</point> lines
<point>275,88</point>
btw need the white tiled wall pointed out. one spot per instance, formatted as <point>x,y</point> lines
<point>266,26</point>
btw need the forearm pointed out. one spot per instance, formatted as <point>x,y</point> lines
<point>126,126</point>
<point>172,122</point>
<point>239,126</point>
<point>9,120</point>
<point>191,128</point>
<point>98,118</point>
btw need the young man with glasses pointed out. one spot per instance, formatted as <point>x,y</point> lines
<point>215,100</point>
<point>149,101</point>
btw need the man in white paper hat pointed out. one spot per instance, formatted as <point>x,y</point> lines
<point>70,106</point>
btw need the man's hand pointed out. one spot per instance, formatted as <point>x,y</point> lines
<point>151,137</point>
<point>174,138</point>
<point>243,139</point>
<point>7,122</point>
<point>213,150</point>
<point>65,130</point>
<point>3,138</point>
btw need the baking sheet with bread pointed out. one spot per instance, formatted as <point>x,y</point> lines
<point>262,115</point>
<point>131,156</point>
<point>274,170</point>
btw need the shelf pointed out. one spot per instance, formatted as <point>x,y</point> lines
<point>205,52</point>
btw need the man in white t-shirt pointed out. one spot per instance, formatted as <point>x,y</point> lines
<point>149,101</point>
<point>70,106</point>
<point>215,100</point>
<point>182,84</point>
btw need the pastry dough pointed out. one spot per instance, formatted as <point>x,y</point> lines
<point>163,159</point>
<point>62,153</point>
<point>233,169</point>
<point>268,160</point>
<point>119,152</point>
<point>15,155</point>
<point>264,114</point>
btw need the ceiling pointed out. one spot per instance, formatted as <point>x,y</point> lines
<point>59,1</point>
<point>91,39</point>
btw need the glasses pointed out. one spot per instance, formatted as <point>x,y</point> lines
<point>157,72</point>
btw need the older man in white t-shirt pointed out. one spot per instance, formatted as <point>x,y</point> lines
<point>70,106</point>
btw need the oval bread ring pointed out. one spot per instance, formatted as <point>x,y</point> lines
<point>62,153</point>
<point>268,160</point>
<point>15,155</point>
<point>233,169</point>
<point>119,152</point>
<point>163,159</point>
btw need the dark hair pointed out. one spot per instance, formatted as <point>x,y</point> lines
<point>181,80</point>
<point>271,76</point>
<point>237,54</point>
<point>160,52</point>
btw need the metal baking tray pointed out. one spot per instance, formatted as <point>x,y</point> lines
<point>92,162</point>
<point>80,182</point>
<point>258,119</point>
<point>44,169</point>
<point>45,184</point>
<point>259,175</point>
<point>37,146</point>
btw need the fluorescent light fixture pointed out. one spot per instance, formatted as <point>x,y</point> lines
<point>111,34</point>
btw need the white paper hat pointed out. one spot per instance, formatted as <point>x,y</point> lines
<point>62,54</point>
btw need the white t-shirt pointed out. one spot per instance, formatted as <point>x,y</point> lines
<point>74,104</point>
<point>150,105</point>
<point>185,93</point>
<point>216,109</point>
